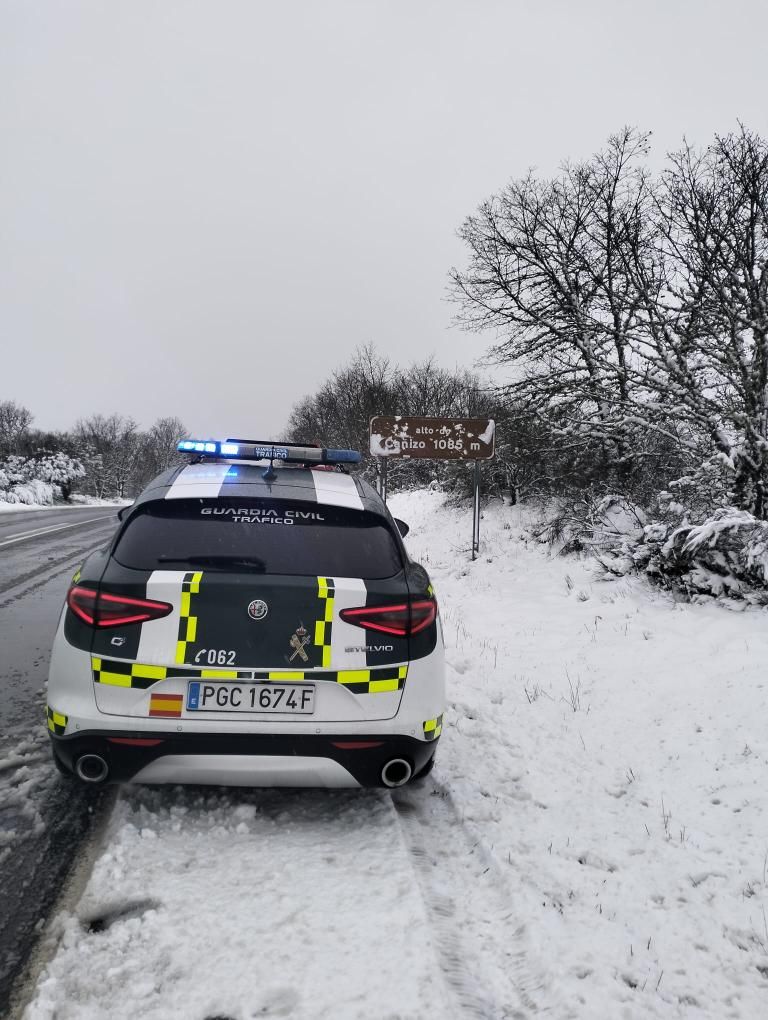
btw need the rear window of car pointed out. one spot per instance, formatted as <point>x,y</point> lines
<point>265,536</point>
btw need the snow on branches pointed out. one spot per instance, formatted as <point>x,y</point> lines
<point>632,310</point>
<point>38,479</point>
<point>726,556</point>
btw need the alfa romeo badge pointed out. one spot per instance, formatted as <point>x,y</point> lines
<point>257,609</point>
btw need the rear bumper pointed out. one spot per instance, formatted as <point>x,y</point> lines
<point>243,759</point>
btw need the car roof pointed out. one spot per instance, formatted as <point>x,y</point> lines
<point>237,480</point>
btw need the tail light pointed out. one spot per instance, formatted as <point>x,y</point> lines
<point>100,609</point>
<point>401,619</point>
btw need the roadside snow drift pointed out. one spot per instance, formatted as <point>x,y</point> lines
<point>593,842</point>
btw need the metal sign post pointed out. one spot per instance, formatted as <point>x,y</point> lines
<point>435,439</point>
<point>476,512</point>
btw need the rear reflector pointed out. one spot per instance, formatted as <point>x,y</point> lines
<point>401,619</point>
<point>134,741</point>
<point>356,745</point>
<point>100,609</point>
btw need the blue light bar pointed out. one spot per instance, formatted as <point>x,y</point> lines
<point>343,456</point>
<point>248,449</point>
<point>196,446</point>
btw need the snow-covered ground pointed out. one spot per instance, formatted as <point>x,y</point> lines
<point>77,502</point>
<point>593,842</point>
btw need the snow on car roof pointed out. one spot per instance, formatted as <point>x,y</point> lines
<point>213,480</point>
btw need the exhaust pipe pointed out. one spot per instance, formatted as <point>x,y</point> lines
<point>396,772</point>
<point>91,768</point>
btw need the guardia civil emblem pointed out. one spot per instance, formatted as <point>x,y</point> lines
<point>299,639</point>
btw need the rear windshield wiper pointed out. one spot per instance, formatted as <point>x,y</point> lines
<point>217,561</point>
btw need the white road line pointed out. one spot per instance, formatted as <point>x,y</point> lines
<point>47,531</point>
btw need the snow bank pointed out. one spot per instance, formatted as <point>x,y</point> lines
<point>42,502</point>
<point>81,499</point>
<point>30,493</point>
<point>602,766</point>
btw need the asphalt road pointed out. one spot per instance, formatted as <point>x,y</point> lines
<point>44,820</point>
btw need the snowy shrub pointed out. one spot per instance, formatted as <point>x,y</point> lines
<point>59,469</point>
<point>588,522</point>
<point>17,469</point>
<point>32,492</point>
<point>724,556</point>
<point>38,479</point>
<point>697,496</point>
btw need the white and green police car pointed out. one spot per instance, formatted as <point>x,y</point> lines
<point>255,621</point>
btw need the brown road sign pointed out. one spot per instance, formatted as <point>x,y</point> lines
<point>435,438</point>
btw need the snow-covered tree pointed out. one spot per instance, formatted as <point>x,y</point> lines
<point>633,313</point>
<point>703,341</point>
<point>59,469</point>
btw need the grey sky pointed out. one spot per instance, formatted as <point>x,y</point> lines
<point>205,206</point>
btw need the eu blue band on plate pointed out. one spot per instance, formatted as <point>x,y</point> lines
<point>193,696</point>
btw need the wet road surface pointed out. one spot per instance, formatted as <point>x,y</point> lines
<point>44,819</point>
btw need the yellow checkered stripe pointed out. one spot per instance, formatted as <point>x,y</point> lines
<point>325,592</point>
<point>141,676</point>
<point>433,728</point>
<point>57,721</point>
<point>360,681</point>
<point>187,622</point>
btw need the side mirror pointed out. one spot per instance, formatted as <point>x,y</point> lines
<point>402,527</point>
<point>123,511</point>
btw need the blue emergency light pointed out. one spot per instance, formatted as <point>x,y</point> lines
<point>251,449</point>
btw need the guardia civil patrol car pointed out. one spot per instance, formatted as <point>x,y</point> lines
<point>255,621</point>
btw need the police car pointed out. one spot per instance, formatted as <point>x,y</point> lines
<point>255,621</point>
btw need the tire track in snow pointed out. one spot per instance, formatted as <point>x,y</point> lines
<point>477,937</point>
<point>48,837</point>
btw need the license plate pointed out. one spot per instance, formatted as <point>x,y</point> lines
<point>296,699</point>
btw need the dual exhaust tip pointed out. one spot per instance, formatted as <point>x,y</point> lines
<point>92,768</point>
<point>396,772</point>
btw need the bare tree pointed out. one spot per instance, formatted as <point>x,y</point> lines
<point>548,271</point>
<point>111,447</point>
<point>161,445</point>
<point>339,413</point>
<point>15,422</point>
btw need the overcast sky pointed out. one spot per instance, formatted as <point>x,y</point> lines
<point>206,206</point>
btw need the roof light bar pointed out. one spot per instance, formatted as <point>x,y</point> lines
<point>250,449</point>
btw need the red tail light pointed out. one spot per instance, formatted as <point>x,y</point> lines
<point>100,609</point>
<point>401,619</point>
